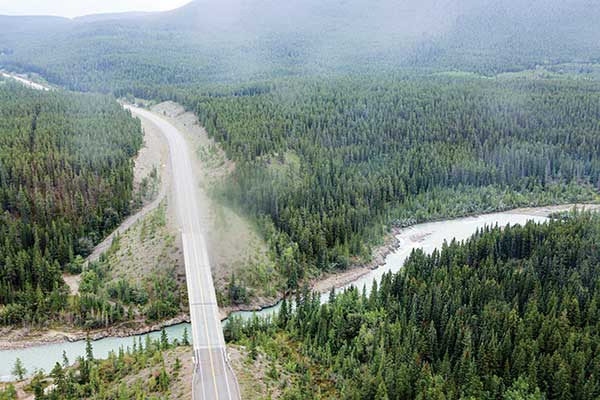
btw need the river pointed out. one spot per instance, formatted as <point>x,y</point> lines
<point>427,236</point>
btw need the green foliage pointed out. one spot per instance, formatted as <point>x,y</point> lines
<point>511,313</point>
<point>76,266</point>
<point>19,370</point>
<point>148,189</point>
<point>237,293</point>
<point>185,340</point>
<point>127,293</point>
<point>111,378</point>
<point>102,302</point>
<point>164,340</point>
<point>327,165</point>
<point>332,144</point>
<point>165,299</point>
<point>89,354</point>
<point>147,55</point>
<point>8,393</point>
<point>520,390</point>
<point>65,181</point>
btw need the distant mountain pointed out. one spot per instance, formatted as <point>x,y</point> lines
<point>512,35</point>
<point>112,16</point>
<point>15,25</point>
<point>210,40</point>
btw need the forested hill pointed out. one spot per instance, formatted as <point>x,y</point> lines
<point>66,176</point>
<point>327,165</point>
<point>509,314</point>
<point>233,40</point>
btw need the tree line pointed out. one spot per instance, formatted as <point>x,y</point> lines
<point>511,313</point>
<point>120,376</point>
<point>66,176</point>
<point>326,166</point>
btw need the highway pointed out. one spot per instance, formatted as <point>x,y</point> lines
<point>213,377</point>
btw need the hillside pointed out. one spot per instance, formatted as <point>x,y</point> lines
<point>65,181</point>
<point>319,128</point>
<point>333,142</point>
<point>327,166</point>
<point>236,40</point>
<point>512,313</point>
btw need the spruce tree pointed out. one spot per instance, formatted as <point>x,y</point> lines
<point>19,369</point>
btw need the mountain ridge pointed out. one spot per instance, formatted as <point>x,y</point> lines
<point>206,40</point>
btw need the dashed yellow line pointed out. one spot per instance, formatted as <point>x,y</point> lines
<point>212,366</point>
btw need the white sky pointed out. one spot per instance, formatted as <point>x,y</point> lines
<point>74,8</point>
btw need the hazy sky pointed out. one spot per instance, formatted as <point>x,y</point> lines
<point>73,8</point>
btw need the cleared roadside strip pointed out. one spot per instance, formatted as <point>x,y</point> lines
<point>207,332</point>
<point>213,376</point>
<point>26,82</point>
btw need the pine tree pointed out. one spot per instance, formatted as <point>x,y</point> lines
<point>37,386</point>
<point>253,351</point>
<point>89,354</point>
<point>164,340</point>
<point>65,359</point>
<point>283,316</point>
<point>381,393</point>
<point>185,341</point>
<point>19,369</point>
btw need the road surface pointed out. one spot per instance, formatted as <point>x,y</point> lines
<point>213,377</point>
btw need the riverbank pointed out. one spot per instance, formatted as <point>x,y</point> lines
<point>392,243</point>
<point>325,282</point>
<point>427,236</point>
<point>25,337</point>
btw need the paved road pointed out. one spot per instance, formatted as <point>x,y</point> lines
<point>213,377</point>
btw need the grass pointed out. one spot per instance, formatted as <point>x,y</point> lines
<point>278,370</point>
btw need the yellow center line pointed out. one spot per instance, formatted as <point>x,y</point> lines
<point>186,257</point>
<point>212,367</point>
<point>196,258</point>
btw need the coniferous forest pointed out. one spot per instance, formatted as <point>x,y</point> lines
<point>124,375</point>
<point>340,131</point>
<point>511,313</point>
<point>327,165</point>
<point>341,120</point>
<point>65,181</point>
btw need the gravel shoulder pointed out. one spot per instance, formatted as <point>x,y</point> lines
<point>235,247</point>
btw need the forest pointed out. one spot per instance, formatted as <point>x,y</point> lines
<point>149,369</point>
<point>511,313</point>
<point>327,166</point>
<point>103,300</point>
<point>66,175</point>
<point>340,131</point>
<point>239,41</point>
